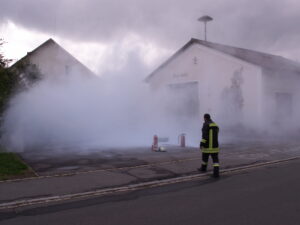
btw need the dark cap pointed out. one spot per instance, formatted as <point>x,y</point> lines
<point>207,116</point>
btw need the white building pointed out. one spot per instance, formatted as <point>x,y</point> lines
<point>54,62</point>
<point>235,85</point>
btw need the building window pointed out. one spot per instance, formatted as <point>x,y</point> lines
<point>67,69</point>
<point>195,60</point>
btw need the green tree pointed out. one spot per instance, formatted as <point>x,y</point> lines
<point>8,80</point>
<point>18,77</point>
<point>3,62</point>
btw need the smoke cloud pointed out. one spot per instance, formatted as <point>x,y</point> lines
<point>79,113</point>
<point>121,110</point>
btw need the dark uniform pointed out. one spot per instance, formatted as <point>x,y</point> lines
<point>210,146</point>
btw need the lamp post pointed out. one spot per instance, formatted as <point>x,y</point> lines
<point>205,19</point>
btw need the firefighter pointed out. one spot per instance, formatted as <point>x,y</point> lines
<point>209,145</point>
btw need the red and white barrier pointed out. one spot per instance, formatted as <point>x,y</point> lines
<point>182,140</point>
<point>155,143</point>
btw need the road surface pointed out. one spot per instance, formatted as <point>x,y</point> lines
<point>268,195</point>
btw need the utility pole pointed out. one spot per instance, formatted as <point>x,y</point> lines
<point>205,19</point>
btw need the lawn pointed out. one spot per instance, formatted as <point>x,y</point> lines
<point>11,166</point>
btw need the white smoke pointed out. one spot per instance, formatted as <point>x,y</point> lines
<point>79,112</point>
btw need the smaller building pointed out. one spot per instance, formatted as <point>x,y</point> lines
<point>51,61</point>
<point>237,86</point>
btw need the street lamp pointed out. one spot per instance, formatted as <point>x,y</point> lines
<point>205,19</point>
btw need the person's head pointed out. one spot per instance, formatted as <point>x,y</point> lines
<point>207,117</point>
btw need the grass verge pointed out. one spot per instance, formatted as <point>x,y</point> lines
<point>11,166</point>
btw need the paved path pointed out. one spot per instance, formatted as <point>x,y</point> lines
<point>268,195</point>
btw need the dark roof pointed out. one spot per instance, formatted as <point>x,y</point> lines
<point>264,60</point>
<point>48,43</point>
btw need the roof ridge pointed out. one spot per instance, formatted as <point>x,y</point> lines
<point>240,48</point>
<point>53,42</point>
<point>261,59</point>
<point>265,60</point>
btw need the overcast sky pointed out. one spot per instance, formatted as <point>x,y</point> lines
<point>111,34</point>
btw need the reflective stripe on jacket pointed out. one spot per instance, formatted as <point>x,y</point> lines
<point>209,142</point>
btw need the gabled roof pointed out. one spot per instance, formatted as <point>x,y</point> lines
<point>264,60</point>
<point>50,42</point>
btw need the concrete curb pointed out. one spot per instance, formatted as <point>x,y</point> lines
<point>132,187</point>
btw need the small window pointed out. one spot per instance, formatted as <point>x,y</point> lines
<point>67,69</point>
<point>195,60</point>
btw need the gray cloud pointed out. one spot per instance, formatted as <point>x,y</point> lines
<point>266,25</point>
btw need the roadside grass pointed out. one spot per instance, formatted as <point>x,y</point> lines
<point>11,166</point>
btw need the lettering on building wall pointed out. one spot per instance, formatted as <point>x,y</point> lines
<point>180,75</point>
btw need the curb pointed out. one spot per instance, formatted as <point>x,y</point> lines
<point>132,187</point>
<point>28,166</point>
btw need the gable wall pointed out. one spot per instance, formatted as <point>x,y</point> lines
<point>54,62</point>
<point>213,72</point>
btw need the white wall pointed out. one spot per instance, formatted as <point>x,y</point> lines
<point>53,62</point>
<point>214,71</point>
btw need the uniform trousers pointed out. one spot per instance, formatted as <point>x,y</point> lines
<point>214,156</point>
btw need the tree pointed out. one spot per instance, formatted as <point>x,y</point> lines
<point>3,62</point>
<point>18,77</point>
<point>8,80</point>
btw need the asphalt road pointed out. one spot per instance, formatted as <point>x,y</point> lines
<point>269,195</point>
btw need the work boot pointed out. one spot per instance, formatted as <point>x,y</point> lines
<point>203,168</point>
<point>216,172</point>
